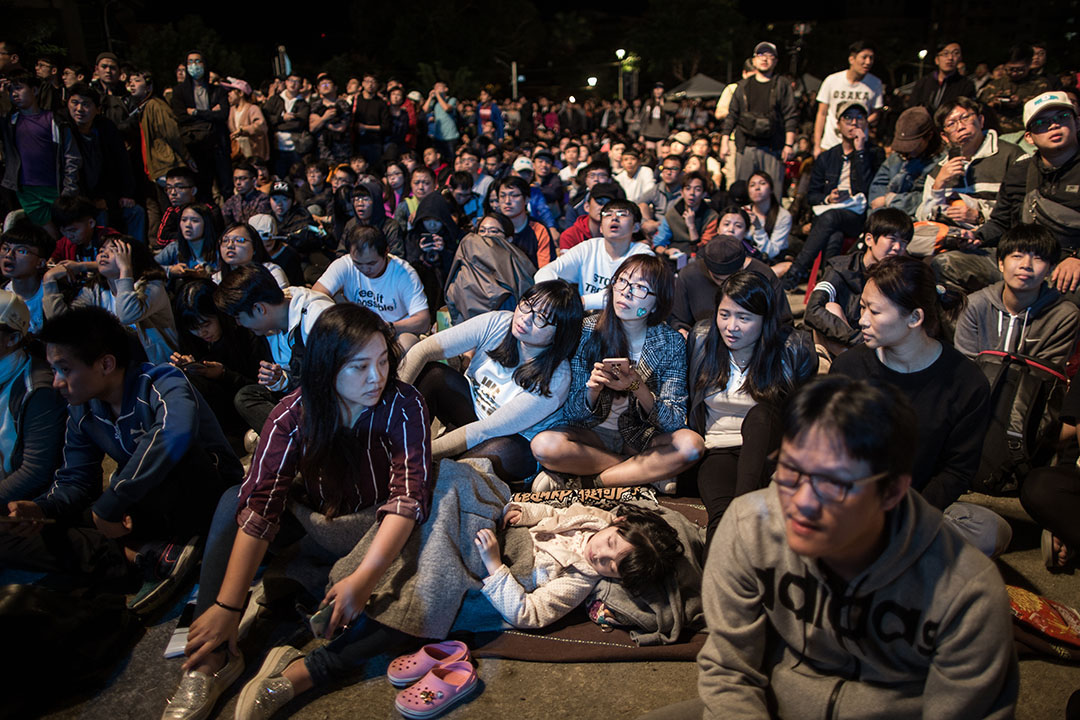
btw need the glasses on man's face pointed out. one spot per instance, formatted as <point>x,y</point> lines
<point>827,488</point>
<point>958,121</point>
<point>615,214</point>
<point>1042,124</point>
<point>539,319</point>
<point>851,119</point>
<point>177,188</point>
<point>234,240</point>
<point>669,168</point>
<point>17,250</point>
<point>637,290</point>
<point>598,177</point>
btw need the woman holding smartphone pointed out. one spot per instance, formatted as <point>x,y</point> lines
<point>623,422</point>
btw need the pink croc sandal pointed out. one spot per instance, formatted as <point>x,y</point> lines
<point>407,669</point>
<point>438,691</point>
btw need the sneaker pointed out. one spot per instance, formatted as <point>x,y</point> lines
<point>269,690</point>
<point>165,566</point>
<point>198,692</point>
<point>251,441</point>
<point>667,487</point>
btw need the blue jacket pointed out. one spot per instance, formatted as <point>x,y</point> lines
<point>662,367</point>
<point>905,178</point>
<point>496,118</point>
<point>162,418</point>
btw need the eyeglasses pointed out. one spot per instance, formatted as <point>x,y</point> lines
<point>1042,124</point>
<point>177,188</point>
<point>670,168</point>
<point>491,231</point>
<point>17,250</point>
<point>234,240</point>
<point>827,488</point>
<point>851,119</point>
<point>597,176</point>
<point>615,213</point>
<point>539,319</point>
<point>637,290</point>
<point>958,121</point>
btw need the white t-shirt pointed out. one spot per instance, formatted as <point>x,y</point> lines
<point>725,411</point>
<point>638,187</point>
<point>836,89</point>
<point>588,266</point>
<point>394,295</point>
<point>37,310</point>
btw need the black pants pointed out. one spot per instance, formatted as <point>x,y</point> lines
<point>1051,495</point>
<point>827,234</point>
<point>449,398</point>
<point>726,473</point>
<point>254,403</point>
<point>180,506</point>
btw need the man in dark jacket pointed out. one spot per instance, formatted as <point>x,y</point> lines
<point>202,111</point>
<point>371,121</point>
<point>840,176</point>
<point>945,84</point>
<point>173,463</point>
<point>287,115</point>
<point>764,117</point>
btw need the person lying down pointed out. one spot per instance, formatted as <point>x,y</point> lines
<point>574,548</point>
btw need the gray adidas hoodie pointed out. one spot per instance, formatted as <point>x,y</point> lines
<point>924,632</point>
<point>1047,330</point>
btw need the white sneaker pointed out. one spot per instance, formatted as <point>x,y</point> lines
<point>667,487</point>
<point>251,441</point>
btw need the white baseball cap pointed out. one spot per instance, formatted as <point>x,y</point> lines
<point>1046,101</point>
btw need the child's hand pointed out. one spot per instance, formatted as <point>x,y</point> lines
<point>489,550</point>
<point>511,516</point>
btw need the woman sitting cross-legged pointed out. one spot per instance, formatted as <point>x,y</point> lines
<point>518,378</point>
<point>742,365</point>
<point>359,438</point>
<point>624,422</point>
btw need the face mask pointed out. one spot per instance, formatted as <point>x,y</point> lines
<point>195,71</point>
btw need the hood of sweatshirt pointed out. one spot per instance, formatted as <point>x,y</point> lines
<point>1018,333</point>
<point>434,206</point>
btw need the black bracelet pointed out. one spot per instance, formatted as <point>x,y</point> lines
<point>228,607</point>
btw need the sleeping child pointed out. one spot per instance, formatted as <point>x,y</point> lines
<point>573,549</point>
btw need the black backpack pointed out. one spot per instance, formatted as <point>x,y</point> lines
<point>1025,403</point>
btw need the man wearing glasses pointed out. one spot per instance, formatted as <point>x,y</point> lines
<point>587,226</point>
<point>963,188</point>
<point>591,264</point>
<point>1043,188</point>
<point>1006,96</point>
<point>944,85</point>
<point>838,591</point>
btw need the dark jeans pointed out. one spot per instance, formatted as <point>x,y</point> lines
<point>827,234</point>
<point>1051,495</point>
<point>179,507</point>
<point>449,398</point>
<point>254,403</point>
<point>726,473</point>
<point>364,640</point>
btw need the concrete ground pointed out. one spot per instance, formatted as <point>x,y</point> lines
<point>549,691</point>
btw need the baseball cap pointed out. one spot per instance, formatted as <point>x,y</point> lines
<point>848,105</point>
<point>523,163</point>
<point>544,153</point>
<point>765,47</point>
<point>1046,101</point>
<point>724,255</point>
<point>106,56</point>
<point>683,138</point>
<point>415,96</point>
<point>263,224</point>
<point>281,187</point>
<point>913,125</point>
<point>607,191</point>
<point>13,312</point>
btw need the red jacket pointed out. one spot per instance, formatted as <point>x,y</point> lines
<point>579,232</point>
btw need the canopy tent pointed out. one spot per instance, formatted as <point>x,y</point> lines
<point>699,86</point>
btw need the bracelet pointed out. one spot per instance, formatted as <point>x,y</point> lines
<point>228,607</point>
<point>634,385</point>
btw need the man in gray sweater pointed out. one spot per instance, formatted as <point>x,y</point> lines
<point>839,592</point>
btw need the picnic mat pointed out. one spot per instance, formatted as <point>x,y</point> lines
<point>576,638</point>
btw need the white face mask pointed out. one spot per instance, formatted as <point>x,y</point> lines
<point>195,70</point>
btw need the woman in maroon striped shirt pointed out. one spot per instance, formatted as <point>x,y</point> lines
<point>359,438</point>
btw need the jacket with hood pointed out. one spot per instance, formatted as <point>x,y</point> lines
<point>980,184</point>
<point>842,283</point>
<point>433,207</point>
<point>923,632</point>
<point>1047,330</point>
<point>1057,184</point>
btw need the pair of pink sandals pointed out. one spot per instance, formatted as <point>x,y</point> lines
<point>441,676</point>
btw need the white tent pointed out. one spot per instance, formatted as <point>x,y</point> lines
<point>699,86</point>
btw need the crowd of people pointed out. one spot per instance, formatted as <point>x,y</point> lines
<point>293,300</point>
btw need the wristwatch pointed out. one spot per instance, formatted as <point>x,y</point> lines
<point>632,387</point>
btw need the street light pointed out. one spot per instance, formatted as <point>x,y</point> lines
<point>620,53</point>
<point>591,81</point>
<point>922,56</point>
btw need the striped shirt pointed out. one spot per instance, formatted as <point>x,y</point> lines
<point>393,444</point>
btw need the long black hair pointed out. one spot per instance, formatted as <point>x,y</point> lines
<point>561,303</point>
<point>259,258</point>
<point>765,378</point>
<point>330,450</point>
<point>774,206</point>
<point>209,236</point>
<point>609,338</point>
<point>143,264</point>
